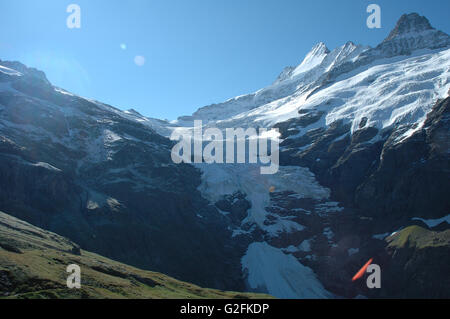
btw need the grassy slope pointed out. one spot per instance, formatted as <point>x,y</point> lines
<point>33,265</point>
<point>419,238</point>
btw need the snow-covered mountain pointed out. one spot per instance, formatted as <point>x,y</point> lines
<point>364,153</point>
<point>412,60</point>
<point>339,113</point>
<point>292,80</point>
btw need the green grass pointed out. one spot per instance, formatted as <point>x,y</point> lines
<point>33,265</point>
<point>419,238</point>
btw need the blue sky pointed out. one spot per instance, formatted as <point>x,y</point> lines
<point>197,52</point>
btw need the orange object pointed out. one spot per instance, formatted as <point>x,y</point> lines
<point>361,272</point>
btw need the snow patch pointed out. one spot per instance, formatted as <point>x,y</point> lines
<point>281,275</point>
<point>47,166</point>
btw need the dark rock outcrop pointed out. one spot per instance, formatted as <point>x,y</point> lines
<point>413,175</point>
<point>384,180</point>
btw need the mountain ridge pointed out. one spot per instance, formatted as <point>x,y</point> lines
<point>341,61</point>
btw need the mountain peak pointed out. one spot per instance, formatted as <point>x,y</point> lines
<point>410,23</point>
<point>412,32</point>
<point>23,69</point>
<point>319,49</point>
<point>314,58</point>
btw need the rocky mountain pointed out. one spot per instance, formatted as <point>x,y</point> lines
<point>364,154</point>
<point>412,32</point>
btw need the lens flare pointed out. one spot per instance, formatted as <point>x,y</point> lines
<point>361,272</point>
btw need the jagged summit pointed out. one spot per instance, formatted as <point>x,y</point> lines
<point>319,49</point>
<point>312,59</point>
<point>410,23</point>
<point>412,32</point>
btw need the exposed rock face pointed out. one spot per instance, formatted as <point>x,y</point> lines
<point>382,184</point>
<point>409,23</point>
<point>412,32</point>
<point>413,176</point>
<point>236,205</point>
<point>389,176</point>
